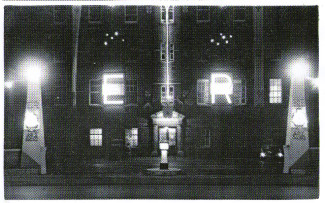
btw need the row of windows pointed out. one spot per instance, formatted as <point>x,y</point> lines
<point>131,137</point>
<point>163,52</point>
<point>204,95</point>
<point>131,14</point>
<point>115,89</point>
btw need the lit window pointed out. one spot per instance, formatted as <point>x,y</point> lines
<point>206,138</point>
<point>163,51</point>
<point>131,14</point>
<point>94,14</point>
<point>131,88</point>
<point>239,92</point>
<point>221,87</point>
<point>170,14</point>
<point>171,52</point>
<point>59,14</point>
<point>275,91</point>
<point>96,137</point>
<point>131,137</point>
<point>164,96</point>
<point>203,92</point>
<point>113,88</point>
<point>203,14</point>
<point>95,97</point>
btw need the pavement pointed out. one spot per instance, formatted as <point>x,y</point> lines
<point>132,171</point>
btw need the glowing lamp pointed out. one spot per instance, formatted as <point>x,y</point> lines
<point>299,69</point>
<point>262,154</point>
<point>31,121</point>
<point>9,84</point>
<point>164,146</point>
<point>300,118</point>
<point>34,74</point>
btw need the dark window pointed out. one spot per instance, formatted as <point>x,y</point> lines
<point>171,52</point>
<point>203,92</point>
<point>131,14</point>
<point>94,14</point>
<point>203,14</point>
<point>163,51</point>
<point>240,14</point>
<point>59,14</point>
<point>95,96</point>
<point>131,88</point>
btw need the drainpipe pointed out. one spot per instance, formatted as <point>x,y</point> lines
<point>76,13</point>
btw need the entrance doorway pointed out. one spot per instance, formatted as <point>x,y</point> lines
<point>167,134</point>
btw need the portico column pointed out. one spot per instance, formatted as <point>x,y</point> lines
<point>179,141</point>
<point>155,141</point>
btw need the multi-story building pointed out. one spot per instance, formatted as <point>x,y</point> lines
<point>118,78</point>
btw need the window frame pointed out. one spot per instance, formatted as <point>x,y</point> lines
<point>100,14</point>
<point>126,15</point>
<point>90,92</point>
<point>235,14</point>
<point>200,9</point>
<point>277,84</point>
<point>163,51</point>
<point>132,135</point>
<point>206,92</point>
<point>96,137</point>
<point>206,136</point>
<point>171,52</point>
<point>242,91</point>
<point>55,10</point>
<point>164,99</point>
<point>128,84</point>
<point>164,13</point>
<point>113,102</point>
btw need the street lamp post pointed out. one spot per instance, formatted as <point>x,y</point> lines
<point>297,139</point>
<point>33,147</point>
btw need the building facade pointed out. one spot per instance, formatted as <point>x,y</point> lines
<point>214,80</point>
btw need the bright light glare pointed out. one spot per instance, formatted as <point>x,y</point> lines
<point>262,154</point>
<point>113,85</point>
<point>164,146</point>
<point>9,84</point>
<point>300,117</point>
<point>31,120</point>
<point>105,43</point>
<point>34,74</point>
<point>116,33</point>
<point>212,40</point>
<point>279,154</point>
<point>315,82</point>
<point>223,37</point>
<point>299,69</point>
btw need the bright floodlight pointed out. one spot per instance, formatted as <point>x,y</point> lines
<point>9,84</point>
<point>31,120</point>
<point>34,74</point>
<point>299,69</point>
<point>300,117</point>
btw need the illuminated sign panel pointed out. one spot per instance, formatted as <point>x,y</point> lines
<point>221,84</point>
<point>113,89</point>
<point>299,118</point>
